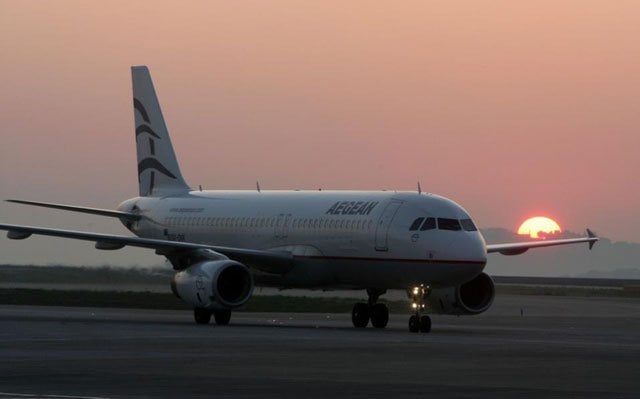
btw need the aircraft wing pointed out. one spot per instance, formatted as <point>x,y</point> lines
<point>518,248</point>
<point>269,261</point>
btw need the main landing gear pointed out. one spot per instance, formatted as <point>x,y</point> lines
<point>203,316</point>
<point>378,313</point>
<point>419,322</point>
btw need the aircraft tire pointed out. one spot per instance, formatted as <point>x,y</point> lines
<point>360,315</point>
<point>202,316</point>
<point>379,315</point>
<point>414,324</point>
<point>425,324</point>
<point>222,317</point>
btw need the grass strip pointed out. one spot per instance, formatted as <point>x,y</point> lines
<point>548,290</point>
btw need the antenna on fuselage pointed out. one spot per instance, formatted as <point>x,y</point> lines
<point>419,188</point>
<point>258,186</point>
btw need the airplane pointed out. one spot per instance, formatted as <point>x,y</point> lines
<point>372,240</point>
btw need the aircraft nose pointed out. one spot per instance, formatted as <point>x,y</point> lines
<point>474,251</point>
<point>469,248</point>
<point>476,247</point>
<point>465,257</point>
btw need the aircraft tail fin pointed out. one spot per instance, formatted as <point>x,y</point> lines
<point>158,170</point>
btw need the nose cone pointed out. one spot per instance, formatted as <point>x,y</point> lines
<point>463,258</point>
<point>470,254</point>
<point>475,247</point>
<point>469,248</point>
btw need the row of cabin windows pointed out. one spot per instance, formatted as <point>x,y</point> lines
<point>230,222</point>
<point>221,222</point>
<point>442,224</point>
<point>346,224</point>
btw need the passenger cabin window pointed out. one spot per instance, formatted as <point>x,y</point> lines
<point>416,223</point>
<point>429,224</point>
<point>449,224</point>
<point>467,225</point>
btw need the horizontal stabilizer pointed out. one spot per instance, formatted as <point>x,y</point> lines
<point>81,209</point>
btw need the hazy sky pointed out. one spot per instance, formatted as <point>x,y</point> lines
<point>510,108</point>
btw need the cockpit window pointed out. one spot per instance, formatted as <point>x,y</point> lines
<point>449,224</point>
<point>416,223</point>
<point>429,224</point>
<point>467,225</point>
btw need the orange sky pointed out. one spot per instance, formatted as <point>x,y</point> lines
<point>512,110</point>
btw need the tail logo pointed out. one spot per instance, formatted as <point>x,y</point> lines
<point>149,162</point>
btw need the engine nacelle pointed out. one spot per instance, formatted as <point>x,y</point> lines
<point>473,297</point>
<point>217,284</point>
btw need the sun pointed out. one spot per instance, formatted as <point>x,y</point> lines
<point>539,224</point>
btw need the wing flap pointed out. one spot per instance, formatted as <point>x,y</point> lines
<point>268,261</point>
<point>17,235</point>
<point>518,248</point>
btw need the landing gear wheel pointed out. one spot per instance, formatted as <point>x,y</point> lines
<point>414,324</point>
<point>222,316</point>
<point>360,315</point>
<point>379,315</point>
<point>202,316</point>
<point>425,324</point>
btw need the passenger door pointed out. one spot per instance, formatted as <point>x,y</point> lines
<point>382,229</point>
<point>282,225</point>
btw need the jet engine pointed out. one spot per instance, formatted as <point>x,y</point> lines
<point>218,284</point>
<point>472,297</point>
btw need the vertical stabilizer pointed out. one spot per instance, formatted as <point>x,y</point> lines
<point>158,170</point>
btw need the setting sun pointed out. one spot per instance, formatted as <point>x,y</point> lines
<point>539,224</point>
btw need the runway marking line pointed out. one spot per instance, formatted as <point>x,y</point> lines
<point>34,395</point>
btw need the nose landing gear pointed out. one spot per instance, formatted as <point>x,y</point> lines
<point>378,313</point>
<point>419,322</point>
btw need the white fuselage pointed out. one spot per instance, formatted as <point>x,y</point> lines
<point>337,238</point>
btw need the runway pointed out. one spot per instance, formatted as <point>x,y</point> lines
<point>559,347</point>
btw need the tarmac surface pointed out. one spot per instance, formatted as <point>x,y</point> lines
<point>559,347</point>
